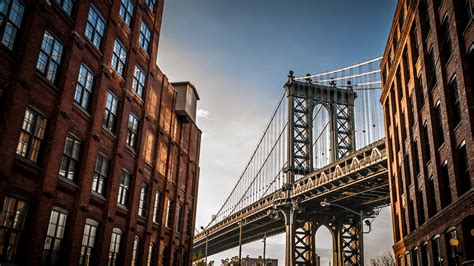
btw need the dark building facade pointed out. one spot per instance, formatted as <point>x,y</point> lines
<point>428,99</point>
<point>96,165</point>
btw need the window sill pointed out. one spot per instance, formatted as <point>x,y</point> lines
<point>82,110</point>
<point>109,132</point>
<point>98,196</point>
<point>68,182</point>
<point>46,81</point>
<point>441,146</point>
<point>26,166</point>
<point>446,65</point>
<point>91,47</point>
<point>131,150</point>
<point>468,25</point>
<point>122,208</point>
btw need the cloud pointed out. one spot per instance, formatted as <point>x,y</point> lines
<point>219,162</point>
<point>202,113</point>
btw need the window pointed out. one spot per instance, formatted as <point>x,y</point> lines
<point>436,251</point>
<point>411,216</point>
<point>124,188</point>
<point>88,242</point>
<point>85,82</point>
<point>446,48</point>
<point>406,163</point>
<point>439,125</point>
<point>136,252</point>
<point>71,156</point>
<point>414,42</point>
<point>425,259</point>
<point>411,117</point>
<point>455,104</point>
<point>425,19</point>
<point>407,259</point>
<point>54,236</point>
<point>126,11</point>
<point>49,57</point>
<point>445,186</point>
<point>11,14</point>
<point>144,38</point>
<point>189,224</point>
<point>431,70</point>
<point>142,203</point>
<point>95,27</point>
<point>169,215</point>
<point>464,178</point>
<point>414,257</point>
<point>119,57</point>
<point>132,131</point>
<point>114,250</point>
<point>149,147</point>
<point>100,174</point>
<point>110,116</point>
<point>66,5</point>
<point>179,224</point>
<point>156,208</point>
<point>431,193</point>
<point>464,10</point>
<point>420,207</point>
<point>32,135</point>
<point>151,5</point>
<point>12,221</point>
<point>416,160</point>
<point>426,141</point>
<point>151,255</point>
<point>138,81</point>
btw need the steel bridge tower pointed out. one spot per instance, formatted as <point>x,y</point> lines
<point>301,226</point>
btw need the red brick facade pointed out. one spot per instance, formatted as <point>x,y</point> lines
<point>161,154</point>
<point>428,100</point>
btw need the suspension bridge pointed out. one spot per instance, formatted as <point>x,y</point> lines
<point>322,151</point>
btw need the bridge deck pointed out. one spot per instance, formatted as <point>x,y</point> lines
<point>359,181</point>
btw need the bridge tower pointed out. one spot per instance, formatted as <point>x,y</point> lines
<point>303,96</point>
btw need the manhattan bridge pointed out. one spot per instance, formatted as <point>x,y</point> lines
<point>321,161</point>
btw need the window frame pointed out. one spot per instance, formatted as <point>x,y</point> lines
<point>96,30</point>
<point>115,246</point>
<point>15,227</point>
<point>139,81</point>
<point>156,207</point>
<point>61,5</point>
<point>84,92</point>
<point>68,158</point>
<point>58,223</point>
<point>132,131</point>
<point>124,188</point>
<point>88,248</point>
<point>126,12</point>
<point>110,112</point>
<point>49,55</point>
<point>35,135</point>
<point>15,25</point>
<point>144,37</point>
<point>119,58</point>
<point>100,176</point>
<point>142,201</point>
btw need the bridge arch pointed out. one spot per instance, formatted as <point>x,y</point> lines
<point>321,131</point>
<point>325,236</point>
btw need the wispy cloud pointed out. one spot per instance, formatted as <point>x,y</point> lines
<point>219,162</point>
<point>202,113</point>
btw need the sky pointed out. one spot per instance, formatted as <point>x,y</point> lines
<point>238,53</point>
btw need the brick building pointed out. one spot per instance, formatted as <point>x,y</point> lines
<point>428,99</point>
<point>99,157</point>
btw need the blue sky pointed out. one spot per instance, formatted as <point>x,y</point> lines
<point>238,54</point>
